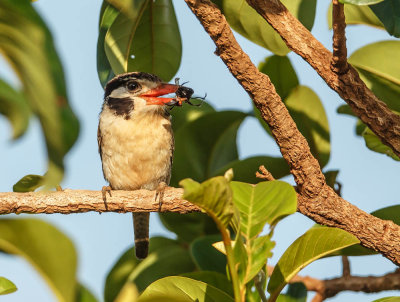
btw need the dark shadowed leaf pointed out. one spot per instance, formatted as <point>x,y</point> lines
<point>186,114</point>
<point>330,177</point>
<point>356,14</point>
<point>206,257</point>
<point>55,262</point>
<point>296,292</point>
<point>183,289</point>
<point>29,183</point>
<point>314,244</point>
<point>375,144</point>
<point>14,106</point>
<point>247,22</point>
<point>199,153</point>
<point>6,286</point>
<point>213,278</point>
<point>146,39</point>
<point>388,12</point>
<point>361,2</point>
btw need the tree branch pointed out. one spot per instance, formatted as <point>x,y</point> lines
<point>315,198</point>
<point>339,63</point>
<point>80,201</point>
<point>373,112</point>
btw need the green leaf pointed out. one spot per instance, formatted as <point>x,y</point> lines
<point>360,2</point>
<point>6,286</point>
<point>84,295</point>
<point>29,183</point>
<point>266,202</point>
<point>188,226</point>
<point>330,178</point>
<point>206,257</point>
<point>388,12</point>
<point>245,169</point>
<point>212,278</point>
<point>166,257</point>
<point>107,16</point>
<point>198,153</point>
<point>258,251</point>
<point>309,114</point>
<point>281,73</point>
<point>389,213</point>
<point>357,15</point>
<point>296,292</point>
<point>247,22</point>
<point>14,106</point>
<point>186,114</point>
<point>49,251</point>
<point>375,144</point>
<point>147,39</point>
<point>183,289</point>
<point>27,44</point>
<point>314,244</point>
<point>214,196</point>
<point>388,299</point>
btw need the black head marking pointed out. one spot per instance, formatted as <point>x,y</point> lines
<point>121,106</point>
<point>121,79</point>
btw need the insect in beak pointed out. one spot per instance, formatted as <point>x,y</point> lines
<point>152,96</point>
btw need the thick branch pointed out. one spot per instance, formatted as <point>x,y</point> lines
<point>373,112</point>
<point>339,59</point>
<point>80,201</point>
<point>315,199</point>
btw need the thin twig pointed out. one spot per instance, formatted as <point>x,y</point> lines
<point>263,173</point>
<point>345,266</point>
<point>339,63</point>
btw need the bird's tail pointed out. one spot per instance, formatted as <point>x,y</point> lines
<point>141,229</point>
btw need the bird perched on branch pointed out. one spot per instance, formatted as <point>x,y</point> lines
<point>136,141</point>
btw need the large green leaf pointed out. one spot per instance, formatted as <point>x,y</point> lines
<point>213,195</point>
<point>147,39</point>
<point>281,73</point>
<point>388,299</point>
<point>14,106</point>
<point>245,169</point>
<point>84,295</point>
<point>309,114</point>
<point>314,244</point>
<point>266,202</point>
<point>198,153</point>
<point>49,251</point>
<point>357,15</point>
<point>183,289</point>
<point>27,44</point>
<point>166,257</point>
<point>29,183</point>
<point>107,16</point>
<point>186,114</point>
<point>6,286</point>
<point>206,257</point>
<point>388,12</point>
<point>375,144</point>
<point>296,292</point>
<point>361,2</point>
<point>212,278</point>
<point>247,22</point>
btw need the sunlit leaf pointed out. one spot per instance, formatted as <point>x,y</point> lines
<point>215,279</point>
<point>375,144</point>
<point>206,257</point>
<point>213,195</point>
<point>147,39</point>
<point>357,15</point>
<point>388,299</point>
<point>247,22</point>
<point>360,2</point>
<point>14,106</point>
<point>296,292</point>
<point>183,289</point>
<point>6,286</point>
<point>388,12</point>
<point>29,183</point>
<point>314,244</point>
<point>49,251</point>
<point>84,295</point>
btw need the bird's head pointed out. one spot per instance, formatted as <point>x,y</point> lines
<point>137,92</point>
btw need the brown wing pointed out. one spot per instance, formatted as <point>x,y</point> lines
<point>99,140</point>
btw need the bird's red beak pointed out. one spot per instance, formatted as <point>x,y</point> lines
<point>152,96</point>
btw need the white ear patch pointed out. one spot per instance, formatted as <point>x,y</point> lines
<point>120,93</point>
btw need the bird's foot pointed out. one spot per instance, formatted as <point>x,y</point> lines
<point>104,191</point>
<point>160,194</point>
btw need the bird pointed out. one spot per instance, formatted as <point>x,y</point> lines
<point>136,141</point>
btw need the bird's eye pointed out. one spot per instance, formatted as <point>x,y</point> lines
<point>132,85</point>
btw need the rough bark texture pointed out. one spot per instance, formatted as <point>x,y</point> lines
<point>339,63</point>
<point>315,198</point>
<point>373,112</point>
<point>80,201</point>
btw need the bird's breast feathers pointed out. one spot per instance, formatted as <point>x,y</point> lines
<point>136,153</point>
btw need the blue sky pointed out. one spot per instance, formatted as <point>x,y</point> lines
<point>368,178</point>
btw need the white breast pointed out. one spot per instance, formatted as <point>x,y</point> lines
<point>136,153</point>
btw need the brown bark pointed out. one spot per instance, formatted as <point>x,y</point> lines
<point>315,199</point>
<point>339,63</point>
<point>373,112</point>
<point>80,201</point>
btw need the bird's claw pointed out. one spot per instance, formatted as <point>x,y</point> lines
<point>160,194</point>
<point>104,191</point>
